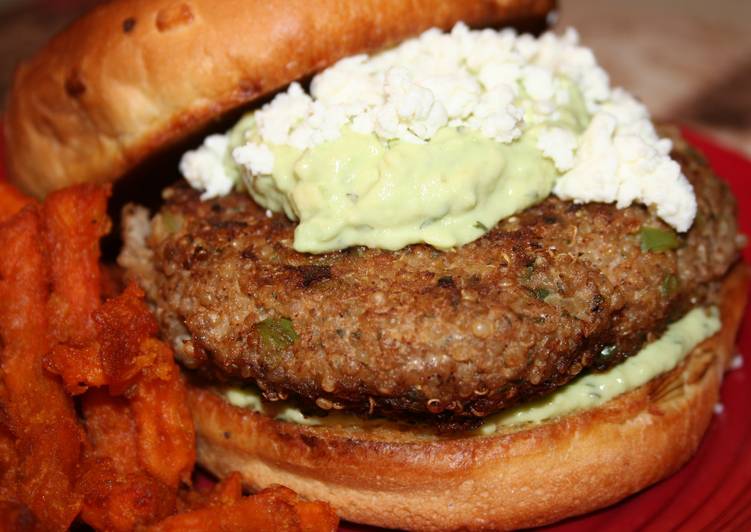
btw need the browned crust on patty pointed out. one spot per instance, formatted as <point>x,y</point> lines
<point>456,334</point>
<point>134,76</point>
<point>528,477</point>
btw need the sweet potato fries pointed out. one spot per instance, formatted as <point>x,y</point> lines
<point>93,418</point>
<point>39,415</point>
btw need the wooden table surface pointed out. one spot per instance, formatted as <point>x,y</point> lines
<point>689,60</point>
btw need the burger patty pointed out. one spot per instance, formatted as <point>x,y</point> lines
<point>463,333</point>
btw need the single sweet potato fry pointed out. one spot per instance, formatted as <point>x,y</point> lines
<point>166,435</point>
<point>118,494</point>
<point>12,200</point>
<point>277,508</point>
<point>39,413</point>
<point>74,219</point>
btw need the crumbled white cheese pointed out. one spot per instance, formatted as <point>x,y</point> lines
<point>621,159</point>
<point>411,111</point>
<point>256,157</point>
<point>538,82</point>
<point>204,168</point>
<point>495,82</point>
<point>559,145</point>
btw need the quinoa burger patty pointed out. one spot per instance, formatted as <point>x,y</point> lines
<point>464,333</point>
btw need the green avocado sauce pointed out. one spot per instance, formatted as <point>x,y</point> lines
<point>357,191</point>
<point>594,389</point>
<point>360,190</point>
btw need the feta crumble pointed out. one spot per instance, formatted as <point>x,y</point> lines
<point>204,168</point>
<point>498,83</point>
<point>559,145</point>
<point>620,158</point>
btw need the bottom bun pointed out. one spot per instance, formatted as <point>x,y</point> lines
<point>536,474</point>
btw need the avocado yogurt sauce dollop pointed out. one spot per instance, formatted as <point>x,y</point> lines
<point>358,190</point>
<point>439,138</point>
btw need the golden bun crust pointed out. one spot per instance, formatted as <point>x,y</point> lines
<point>521,478</point>
<point>135,76</point>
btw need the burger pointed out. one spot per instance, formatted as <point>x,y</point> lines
<point>437,276</point>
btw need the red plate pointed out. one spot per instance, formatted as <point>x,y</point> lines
<point>713,491</point>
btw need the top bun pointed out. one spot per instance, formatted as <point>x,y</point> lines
<point>134,76</point>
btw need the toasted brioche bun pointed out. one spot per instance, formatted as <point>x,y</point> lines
<point>135,76</point>
<point>529,476</point>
